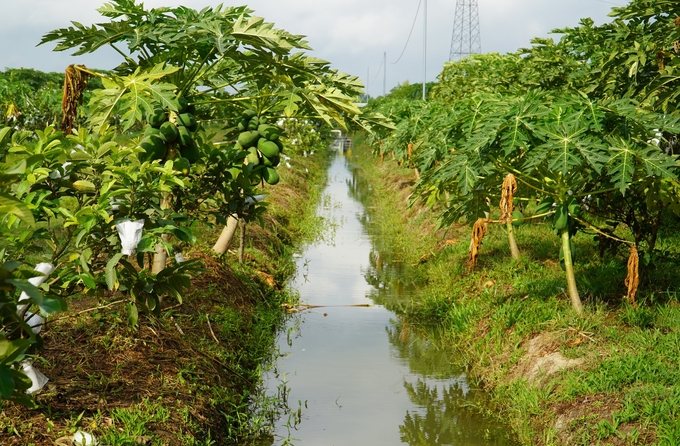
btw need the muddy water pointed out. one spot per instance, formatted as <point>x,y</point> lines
<point>360,374</point>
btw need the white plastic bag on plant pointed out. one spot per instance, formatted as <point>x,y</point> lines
<point>179,258</point>
<point>56,174</point>
<point>254,199</point>
<point>81,438</point>
<point>43,268</point>
<point>37,378</point>
<point>115,203</point>
<point>130,233</point>
<point>35,321</point>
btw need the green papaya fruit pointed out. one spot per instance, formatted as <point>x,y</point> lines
<point>253,123</point>
<point>271,161</point>
<point>269,131</point>
<point>155,148</point>
<point>184,135</point>
<point>241,126</point>
<point>574,207</point>
<point>148,131</point>
<point>268,148</point>
<point>270,175</point>
<point>517,218</point>
<point>248,139</point>
<point>561,217</point>
<point>252,157</point>
<point>249,113</point>
<point>188,148</point>
<point>187,120</point>
<point>263,120</point>
<point>238,146</point>
<point>169,132</point>
<point>157,117</point>
<point>183,104</point>
<point>190,152</point>
<point>183,165</point>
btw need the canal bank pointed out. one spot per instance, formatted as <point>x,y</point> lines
<point>192,376</point>
<point>356,372</point>
<point>610,377</point>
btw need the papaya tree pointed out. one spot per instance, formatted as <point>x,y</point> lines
<point>218,61</point>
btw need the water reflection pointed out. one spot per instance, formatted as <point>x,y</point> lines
<point>364,375</point>
<point>394,282</point>
<point>421,349</point>
<point>447,411</point>
<point>447,419</point>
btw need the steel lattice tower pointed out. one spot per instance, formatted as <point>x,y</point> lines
<point>466,39</point>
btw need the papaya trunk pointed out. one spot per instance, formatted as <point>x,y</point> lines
<point>569,269</point>
<point>226,236</point>
<point>160,258</point>
<point>242,241</point>
<point>161,255</point>
<point>511,239</point>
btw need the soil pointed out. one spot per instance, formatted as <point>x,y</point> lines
<point>186,365</point>
<point>106,365</point>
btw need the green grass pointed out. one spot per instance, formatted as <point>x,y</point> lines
<point>168,381</point>
<point>626,391</point>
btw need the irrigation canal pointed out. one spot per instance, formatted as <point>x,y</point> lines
<point>362,375</point>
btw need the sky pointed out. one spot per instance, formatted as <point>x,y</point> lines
<point>351,34</point>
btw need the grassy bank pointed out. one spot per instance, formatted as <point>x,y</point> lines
<point>611,377</point>
<point>192,376</point>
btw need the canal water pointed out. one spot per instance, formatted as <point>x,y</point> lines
<point>359,374</point>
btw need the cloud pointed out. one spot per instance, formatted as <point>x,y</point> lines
<point>351,34</point>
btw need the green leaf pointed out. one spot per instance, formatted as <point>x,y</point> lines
<point>52,305</point>
<point>12,351</point>
<point>111,274</point>
<point>544,206</point>
<point>88,281</point>
<point>10,205</point>
<point>621,165</point>
<point>132,96</point>
<point>31,290</point>
<point>6,381</point>
<point>133,314</point>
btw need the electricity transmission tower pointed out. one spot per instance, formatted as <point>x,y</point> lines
<point>466,39</point>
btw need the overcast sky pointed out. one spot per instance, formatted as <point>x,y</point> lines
<point>351,34</point>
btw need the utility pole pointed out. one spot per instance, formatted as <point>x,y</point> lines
<point>466,38</point>
<point>424,48</point>
<point>385,73</point>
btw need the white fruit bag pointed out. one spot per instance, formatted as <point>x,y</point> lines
<point>130,233</point>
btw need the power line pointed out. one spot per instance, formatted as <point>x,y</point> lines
<point>409,34</point>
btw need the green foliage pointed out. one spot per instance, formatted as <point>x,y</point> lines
<point>62,197</point>
<point>230,54</point>
<point>576,130</point>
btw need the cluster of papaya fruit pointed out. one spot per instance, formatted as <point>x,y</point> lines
<point>167,130</point>
<point>262,142</point>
